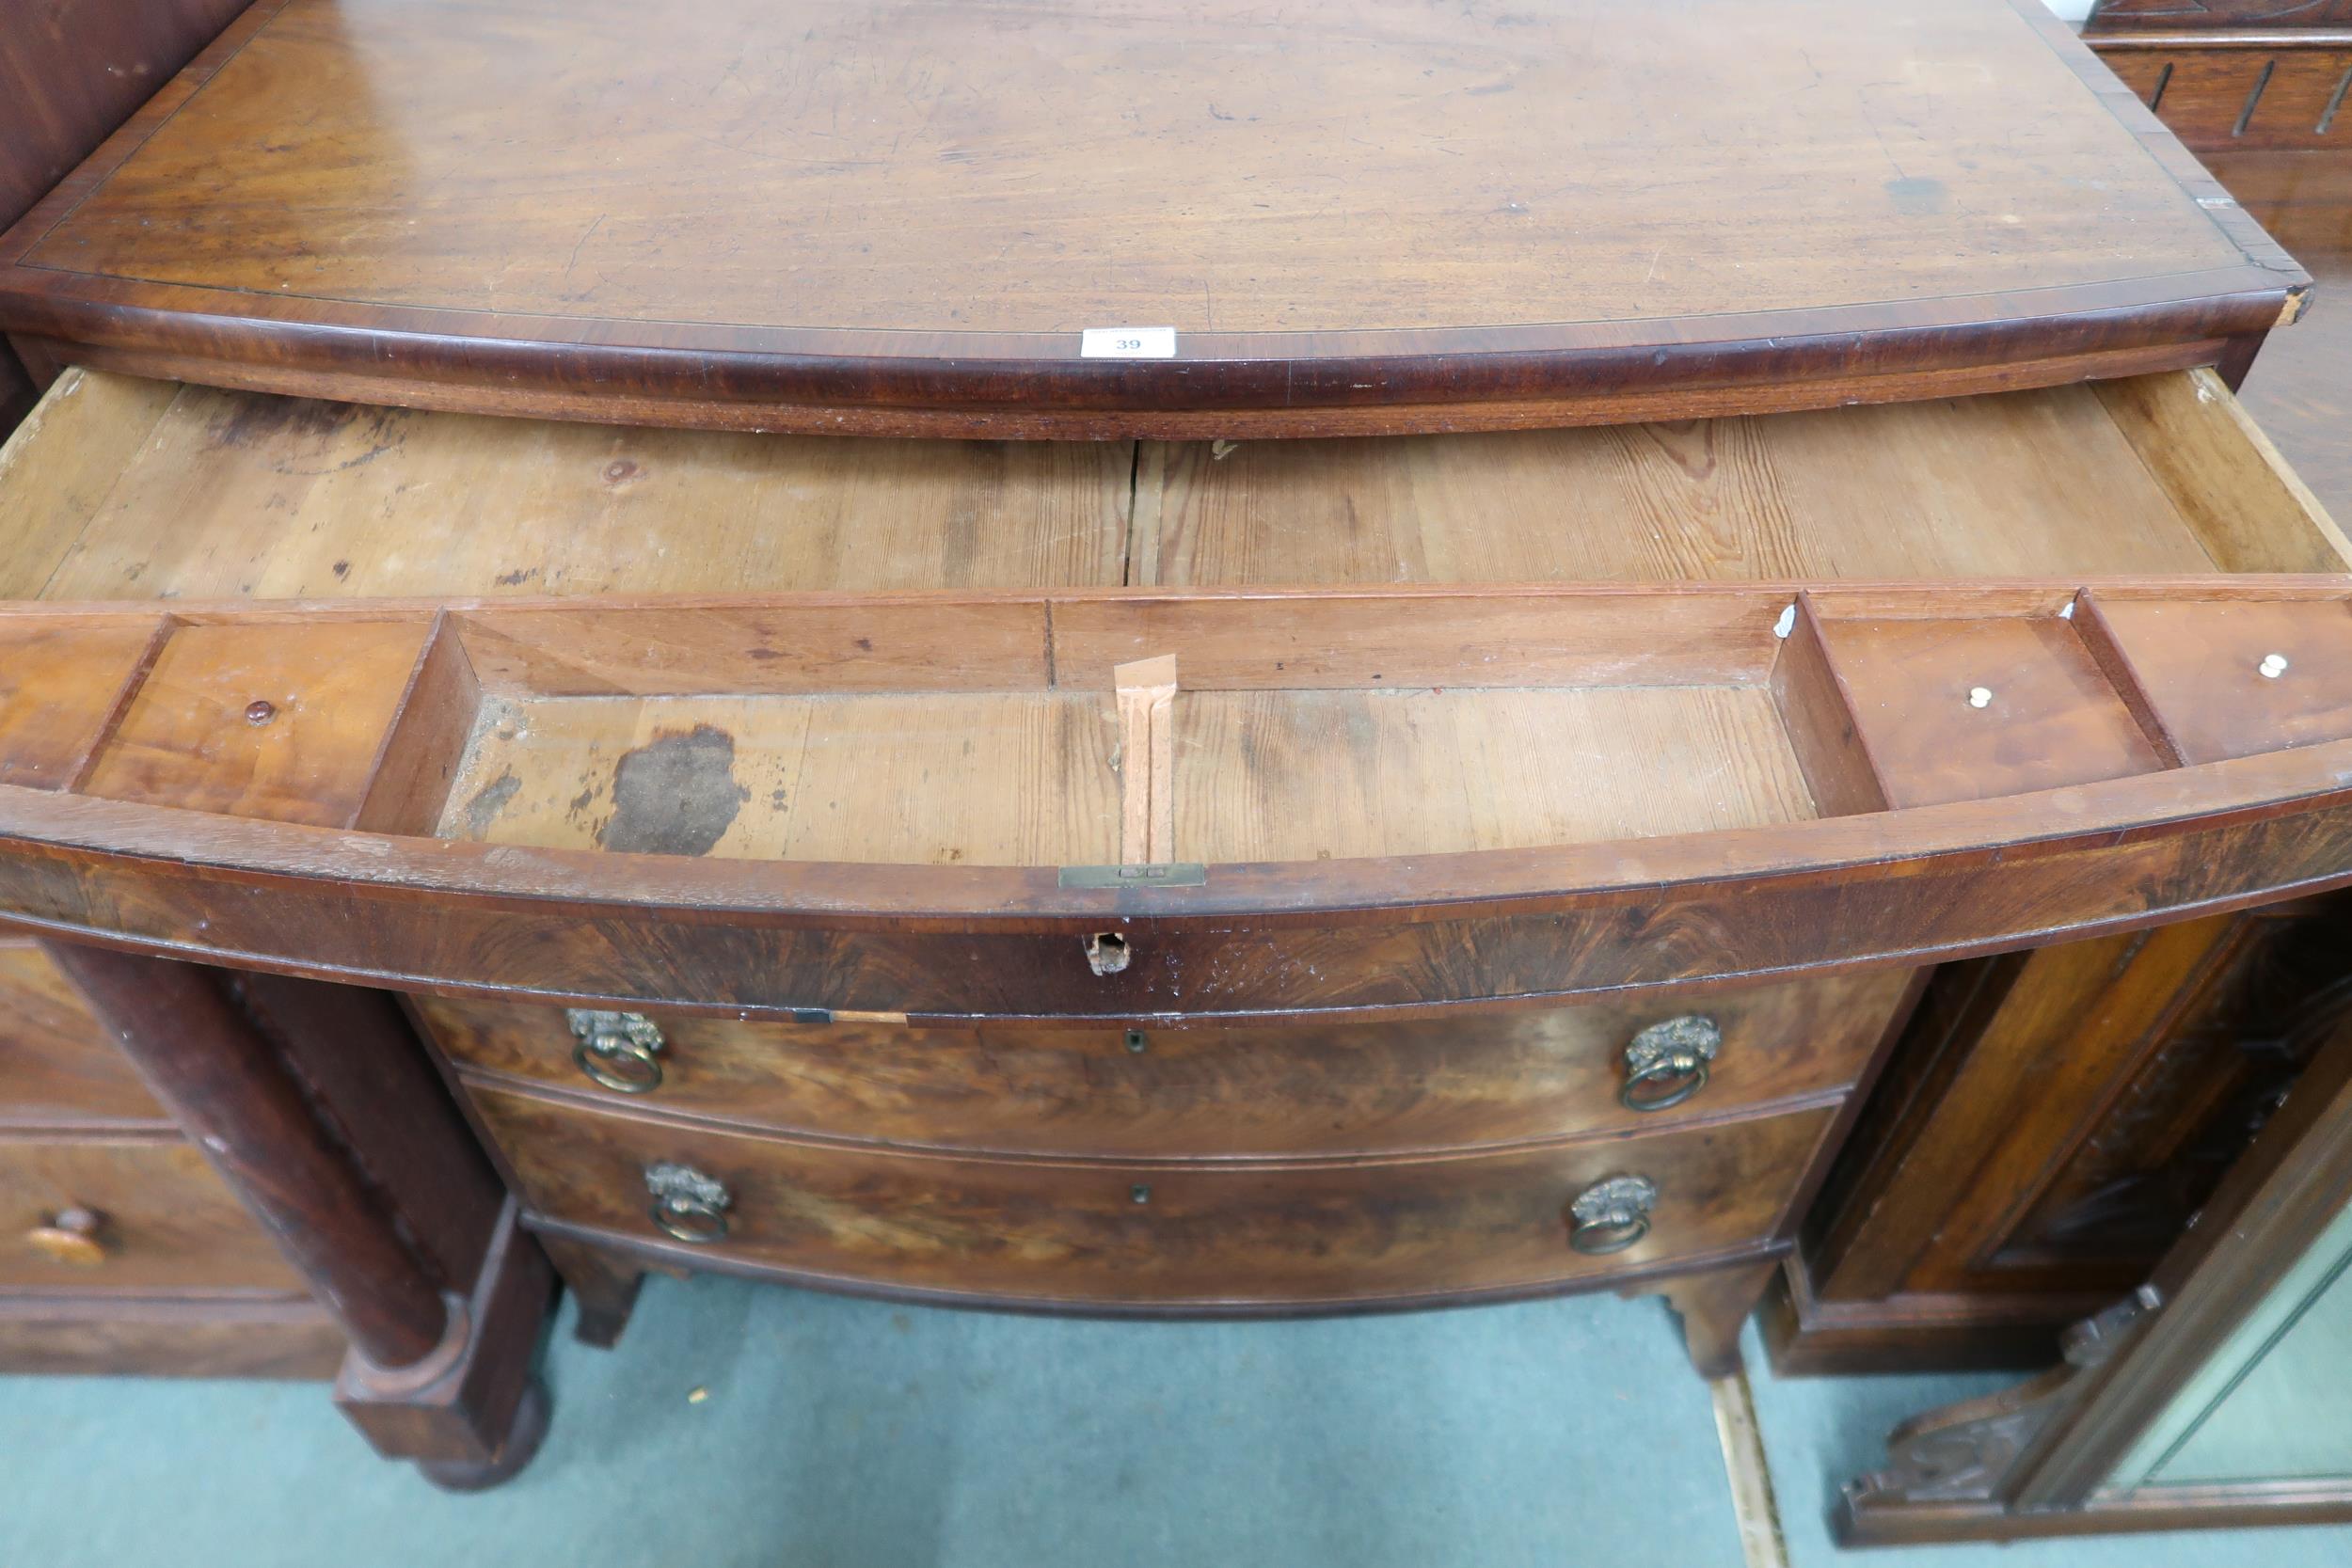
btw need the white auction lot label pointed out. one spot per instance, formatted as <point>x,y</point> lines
<point>1127,342</point>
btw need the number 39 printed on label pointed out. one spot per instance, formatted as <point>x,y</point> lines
<point>1127,342</point>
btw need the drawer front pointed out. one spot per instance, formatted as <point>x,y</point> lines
<point>1140,1234</point>
<point>56,1063</point>
<point>163,1220</point>
<point>1172,1093</point>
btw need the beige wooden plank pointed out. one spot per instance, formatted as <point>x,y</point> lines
<point>280,722</point>
<point>1308,775</point>
<point>1019,779</point>
<point>1146,691</point>
<point>239,493</point>
<point>860,645</point>
<point>2237,494</point>
<point>2022,484</point>
<point>1473,636</point>
<point>58,468</point>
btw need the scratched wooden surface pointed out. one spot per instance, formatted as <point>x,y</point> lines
<point>825,215</point>
<point>122,487</point>
<point>1384,164</point>
<point>126,488</point>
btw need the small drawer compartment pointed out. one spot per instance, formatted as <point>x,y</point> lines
<point>132,1211</point>
<point>1104,1234</point>
<point>1667,735</point>
<point>1461,1081</point>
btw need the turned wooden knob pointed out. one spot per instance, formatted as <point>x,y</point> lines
<point>72,1236</point>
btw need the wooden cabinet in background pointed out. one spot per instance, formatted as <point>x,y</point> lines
<point>2050,1122</point>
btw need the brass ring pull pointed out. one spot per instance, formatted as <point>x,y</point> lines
<point>687,1206</point>
<point>1612,1216</point>
<point>75,1236</point>
<point>620,1051</point>
<point>1666,1063</point>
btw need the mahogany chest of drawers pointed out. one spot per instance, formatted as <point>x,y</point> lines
<point>1439,776</point>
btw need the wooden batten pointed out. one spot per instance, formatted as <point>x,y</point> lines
<point>2222,474</point>
<point>1147,760</point>
<point>1817,712</point>
<point>2229,677</point>
<point>63,688</point>
<point>409,783</point>
<point>1627,635</point>
<point>937,642</point>
<point>2091,624</point>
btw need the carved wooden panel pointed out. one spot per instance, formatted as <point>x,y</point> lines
<point>2049,1124</point>
<point>2199,1097</point>
<point>2184,16</point>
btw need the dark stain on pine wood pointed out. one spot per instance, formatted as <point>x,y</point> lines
<point>676,795</point>
<point>488,801</point>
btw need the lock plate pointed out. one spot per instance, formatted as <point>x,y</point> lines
<point>1165,873</point>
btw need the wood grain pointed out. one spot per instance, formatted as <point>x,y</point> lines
<point>59,467</point>
<point>2296,390</point>
<point>123,1335</point>
<point>238,494</point>
<point>190,737</point>
<point>1200,1237</point>
<point>1308,776</point>
<point>1016,779</point>
<point>2201,666</point>
<point>1329,1088</point>
<point>203,494</point>
<point>1145,690</point>
<point>2267,92</point>
<point>2049,717</point>
<point>838,643</point>
<point>2245,505</point>
<point>1390,638</point>
<point>2020,484</point>
<point>59,1062</point>
<point>440,178</point>
<point>1818,713</point>
<point>258,1131</point>
<point>72,73</point>
<point>60,691</point>
<point>168,1222</point>
<point>410,782</point>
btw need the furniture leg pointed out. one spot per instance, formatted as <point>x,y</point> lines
<point>441,1369</point>
<point>605,1288</point>
<point>1713,1306</point>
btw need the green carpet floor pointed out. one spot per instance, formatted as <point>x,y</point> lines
<point>835,1434</point>
<point>1817,1431</point>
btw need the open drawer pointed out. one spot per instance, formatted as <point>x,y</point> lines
<point>1108,763</point>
